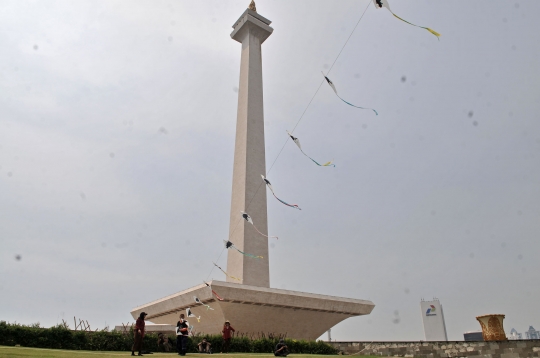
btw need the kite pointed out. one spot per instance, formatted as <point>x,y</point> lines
<point>379,4</point>
<point>214,292</point>
<point>297,142</point>
<point>197,300</point>
<point>350,104</point>
<point>248,219</point>
<point>267,182</point>
<point>226,274</point>
<point>229,244</point>
<point>190,314</point>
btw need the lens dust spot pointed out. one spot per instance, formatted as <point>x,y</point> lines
<point>403,79</point>
<point>471,113</point>
<point>36,47</point>
<point>235,89</point>
<point>9,174</point>
<point>356,75</point>
<point>475,123</point>
<point>364,126</point>
<point>471,255</point>
<point>520,257</point>
<point>18,257</point>
<point>162,130</point>
<point>83,195</point>
<point>407,291</point>
<point>111,155</point>
<point>170,38</point>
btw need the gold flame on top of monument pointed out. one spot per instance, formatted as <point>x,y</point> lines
<point>252,6</point>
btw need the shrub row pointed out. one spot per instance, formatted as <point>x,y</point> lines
<point>61,338</point>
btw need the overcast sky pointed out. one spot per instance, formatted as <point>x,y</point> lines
<point>117,124</point>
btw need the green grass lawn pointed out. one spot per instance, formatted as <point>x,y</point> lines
<point>58,353</point>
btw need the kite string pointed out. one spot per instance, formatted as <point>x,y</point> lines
<point>318,88</point>
<point>297,123</point>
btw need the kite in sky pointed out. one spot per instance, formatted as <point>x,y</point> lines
<point>379,4</point>
<point>297,142</point>
<point>229,244</point>
<point>197,300</point>
<point>350,104</point>
<point>190,314</point>
<point>214,292</point>
<point>226,274</point>
<point>248,219</point>
<point>267,182</point>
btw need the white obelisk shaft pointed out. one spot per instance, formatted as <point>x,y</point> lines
<point>248,189</point>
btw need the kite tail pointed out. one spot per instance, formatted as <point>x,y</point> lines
<point>422,27</point>
<point>226,274</point>
<point>291,205</point>
<point>248,255</point>
<point>350,104</point>
<point>217,296</point>
<point>268,237</point>
<point>327,164</point>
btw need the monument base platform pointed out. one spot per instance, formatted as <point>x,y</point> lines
<point>255,310</point>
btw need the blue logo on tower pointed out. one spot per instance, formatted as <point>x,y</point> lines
<point>431,311</point>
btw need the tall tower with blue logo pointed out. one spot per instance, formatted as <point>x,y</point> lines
<point>433,320</point>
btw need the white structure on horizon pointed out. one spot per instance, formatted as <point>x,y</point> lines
<point>433,320</point>
<point>532,333</point>
<point>514,335</point>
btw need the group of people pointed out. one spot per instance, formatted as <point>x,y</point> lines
<point>182,333</point>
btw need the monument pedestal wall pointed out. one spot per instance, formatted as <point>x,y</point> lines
<point>253,310</point>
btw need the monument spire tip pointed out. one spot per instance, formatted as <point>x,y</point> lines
<point>252,6</point>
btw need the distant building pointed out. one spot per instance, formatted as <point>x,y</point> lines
<point>433,320</point>
<point>473,336</point>
<point>532,333</point>
<point>514,335</point>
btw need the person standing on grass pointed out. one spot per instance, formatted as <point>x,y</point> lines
<point>182,332</point>
<point>227,333</point>
<point>138,334</point>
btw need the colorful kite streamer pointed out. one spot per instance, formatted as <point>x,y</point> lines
<point>229,244</point>
<point>267,182</point>
<point>350,104</point>
<point>249,220</point>
<point>226,274</point>
<point>190,314</point>
<point>379,4</point>
<point>197,300</point>
<point>214,292</point>
<point>297,142</point>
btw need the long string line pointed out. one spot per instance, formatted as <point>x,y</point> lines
<point>296,125</point>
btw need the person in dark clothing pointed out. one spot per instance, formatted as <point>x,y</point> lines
<point>182,332</point>
<point>138,332</point>
<point>204,347</point>
<point>281,349</point>
<point>163,343</point>
<point>227,334</point>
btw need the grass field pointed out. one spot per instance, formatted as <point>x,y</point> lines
<point>6,352</point>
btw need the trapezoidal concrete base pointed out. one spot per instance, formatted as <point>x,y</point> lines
<point>255,310</point>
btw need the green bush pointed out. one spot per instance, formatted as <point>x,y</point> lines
<point>61,338</point>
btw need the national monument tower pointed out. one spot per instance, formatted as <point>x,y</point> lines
<point>250,304</point>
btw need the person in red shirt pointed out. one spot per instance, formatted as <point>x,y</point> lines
<point>227,333</point>
<point>139,334</point>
